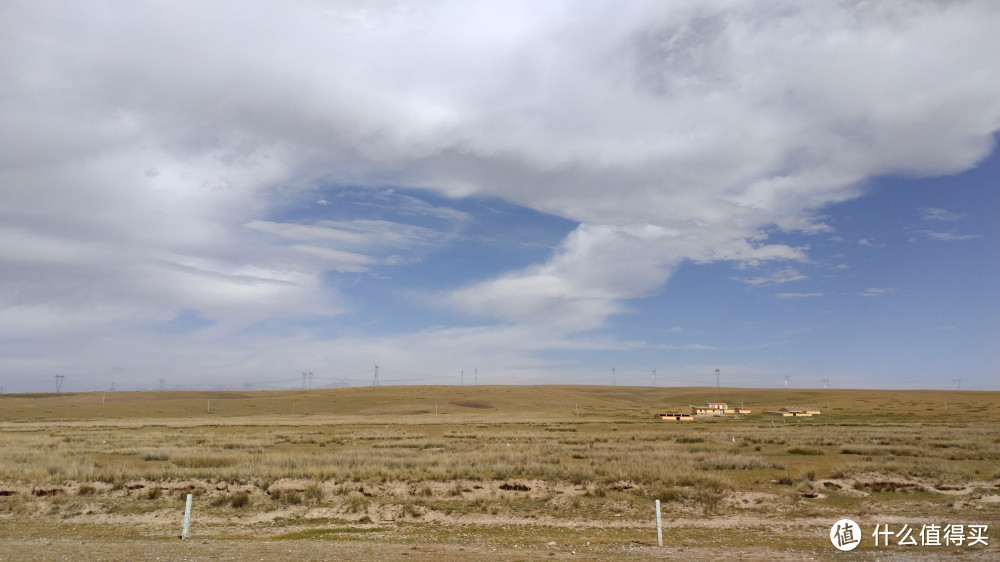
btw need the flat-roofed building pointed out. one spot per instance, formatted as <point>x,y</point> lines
<point>675,417</point>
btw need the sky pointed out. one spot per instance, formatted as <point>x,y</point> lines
<point>225,195</point>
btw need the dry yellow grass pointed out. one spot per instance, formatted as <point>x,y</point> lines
<point>496,460</point>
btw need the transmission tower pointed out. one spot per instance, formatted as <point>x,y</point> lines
<point>475,376</point>
<point>654,378</point>
<point>310,380</point>
<point>163,384</point>
<point>826,383</point>
<point>461,377</point>
<point>614,377</point>
<point>787,377</point>
<point>112,388</point>
<point>958,383</point>
<point>59,381</point>
<point>716,380</point>
<point>304,375</point>
<point>375,381</point>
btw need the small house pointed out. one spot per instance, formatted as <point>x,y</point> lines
<point>717,409</point>
<point>711,409</point>
<point>797,413</point>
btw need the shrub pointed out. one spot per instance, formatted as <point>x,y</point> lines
<point>240,499</point>
<point>314,492</point>
<point>410,508</point>
<point>804,451</point>
<point>710,501</point>
<point>86,490</point>
<point>667,494</point>
<point>356,502</point>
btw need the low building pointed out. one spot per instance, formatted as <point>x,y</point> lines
<point>796,412</point>
<point>711,409</point>
<point>717,409</point>
<point>675,417</point>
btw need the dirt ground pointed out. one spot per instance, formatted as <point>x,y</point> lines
<point>306,550</point>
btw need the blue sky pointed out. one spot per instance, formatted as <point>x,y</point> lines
<point>536,192</point>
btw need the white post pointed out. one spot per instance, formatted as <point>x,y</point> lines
<point>659,528</point>
<point>187,518</point>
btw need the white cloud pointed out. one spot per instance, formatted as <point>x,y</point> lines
<point>798,295</point>
<point>785,275</point>
<point>870,244</point>
<point>945,236</point>
<point>148,147</point>
<point>353,233</point>
<point>877,291</point>
<point>937,214</point>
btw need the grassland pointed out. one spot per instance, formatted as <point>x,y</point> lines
<point>482,472</point>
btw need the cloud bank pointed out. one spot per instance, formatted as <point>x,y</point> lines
<point>149,150</point>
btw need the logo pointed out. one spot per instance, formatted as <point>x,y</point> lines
<point>845,534</point>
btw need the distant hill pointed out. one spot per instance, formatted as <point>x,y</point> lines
<point>500,403</point>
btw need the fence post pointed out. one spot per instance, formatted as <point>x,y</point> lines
<point>659,528</point>
<point>187,518</point>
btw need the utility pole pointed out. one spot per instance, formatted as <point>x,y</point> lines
<point>375,381</point>
<point>654,378</point>
<point>303,380</point>
<point>461,378</point>
<point>310,380</point>
<point>716,380</point>
<point>59,381</point>
<point>112,389</point>
<point>614,377</point>
<point>475,377</point>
